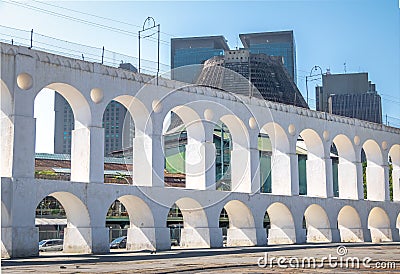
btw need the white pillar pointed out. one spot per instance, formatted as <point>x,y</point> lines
<point>240,170</point>
<point>316,176</point>
<point>148,161</point>
<point>376,185</point>
<point>347,178</point>
<point>21,162</point>
<point>87,155</point>
<point>396,182</point>
<point>200,165</point>
<point>281,173</point>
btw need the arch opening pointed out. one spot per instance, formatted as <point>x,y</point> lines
<point>7,132</point>
<point>379,225</point>
<point>311,165</point>
<point>64,224</point>
<point>131,224</point>
<point>282,229</point>
<point>71,114</point>
<point>275,172</point>
<point>344,168</point>
<point>349,225</point>
<point>375,184</point>
<point>394,172</point>
<point>223,154</point>
<point>238,221</point>
<point>188,224</point>
<point>234,145</point>
<point>184,159</point>
<point>317,225</point>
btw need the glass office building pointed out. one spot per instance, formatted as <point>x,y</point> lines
<point>194,51</point>
<point>278,43</point>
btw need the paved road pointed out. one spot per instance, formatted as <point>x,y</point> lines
<point>377,258</point>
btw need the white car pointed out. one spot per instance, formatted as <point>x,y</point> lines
<point>51,245</point>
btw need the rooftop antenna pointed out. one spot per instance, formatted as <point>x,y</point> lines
<point>344,64</point>
<point>237,43</point>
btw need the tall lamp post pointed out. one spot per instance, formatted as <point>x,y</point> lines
<point>312,76</point>
<point>151,25</point>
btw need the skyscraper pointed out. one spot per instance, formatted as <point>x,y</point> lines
<point>194,51</point>
<point>275,43</point>
<point>350,95</point>
<point>113,123</point>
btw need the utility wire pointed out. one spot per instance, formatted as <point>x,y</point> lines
<point>118,30</point>
<point>97,16</point>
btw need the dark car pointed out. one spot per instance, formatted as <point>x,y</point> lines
<point>119,242</point>
<point>51,245</point>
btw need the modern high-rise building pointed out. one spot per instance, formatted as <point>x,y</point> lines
<point>275,43</point>
<point>114,119</point>
<point>194,51</point>
<point>266,73</point>
<point>351,95</point>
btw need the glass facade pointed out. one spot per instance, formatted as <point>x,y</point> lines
<point>286,50</point>
<point>190,56</point>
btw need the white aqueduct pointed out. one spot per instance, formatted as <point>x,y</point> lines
<point>89,87</point>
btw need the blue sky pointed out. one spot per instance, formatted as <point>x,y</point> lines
<point>363,34</point>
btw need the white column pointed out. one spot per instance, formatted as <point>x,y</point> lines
<point>284,174</point>
<point>87,155</point>
<point>316,177</point>
<point>240,170</point>
<point>21,162</point>
<point>396,182</point>
<point>200,165</point>
<point>347,178</point>
<point>376,185</point>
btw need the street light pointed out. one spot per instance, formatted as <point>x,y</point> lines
<point>314,68</point>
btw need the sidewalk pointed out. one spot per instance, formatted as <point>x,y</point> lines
<point>224,260</point>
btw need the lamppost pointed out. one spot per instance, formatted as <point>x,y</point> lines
<point>312,76</point>
<point>150,20</point>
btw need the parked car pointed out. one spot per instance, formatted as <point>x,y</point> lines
<point>174,242</point>
<point>51,245</point>
<point>119,242</point>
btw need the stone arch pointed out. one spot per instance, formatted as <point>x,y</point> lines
<point>7,132</point>
<point>349,225</point>
<point>238,130</point>
<point>184,137</point>
<point>278,136</point>
<point>394,154</point>
<point>316,176</point>
<point>140,234</point>
<point>142,142</point>
<point>241,231</point>
<point>6,100</point>
<point>192,121</point>
<point>375,174</point>
<point>398,222</point>
<point>282,229</point>
<point>195,232</point>
<point>77,234</point>
<point>347,170</point>
<point>317,225</point>
<point>379,225</point>
<point>138,111</point>
<point>79,105</point>
<point>240,154</point>
<point>6,240</point>
<point>280,158</point>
